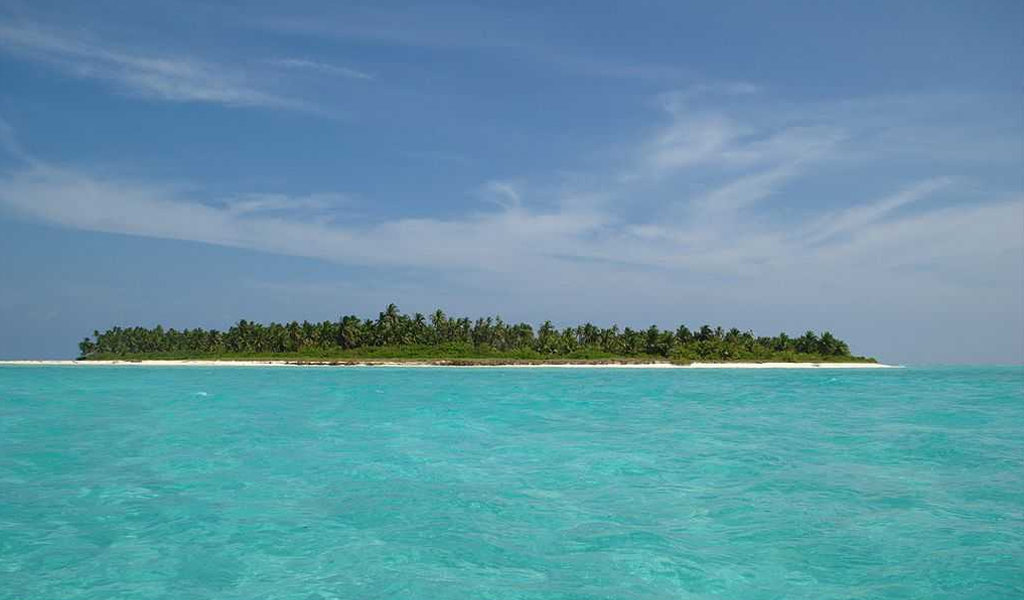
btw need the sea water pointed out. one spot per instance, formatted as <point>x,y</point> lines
<point>436,483</point>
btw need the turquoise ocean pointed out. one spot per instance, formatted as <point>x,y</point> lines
<point>434,483</point>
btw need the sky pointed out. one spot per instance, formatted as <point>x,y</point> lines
<point>855,167</point>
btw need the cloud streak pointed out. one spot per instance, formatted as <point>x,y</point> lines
<point>169,78</point>
<point>858,217</point>
<point>515,240</point>
<point>320,67</point>
<point>447,28</point>
<point>9,143</point>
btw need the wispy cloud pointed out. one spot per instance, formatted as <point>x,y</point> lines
<point>272,223</point>
<point>438,26</point>
<point>9,142</point>
<point>676,100</point>
<point>503,193</point>
<point>171,78</point>
<point>745,191</point>
<point>697,136</point>
<point>858,217</point>
<point>469,28</point>
<point>690,140</point>
<point>320,67</point>
<point>515,239</point>
<point>292,206</point>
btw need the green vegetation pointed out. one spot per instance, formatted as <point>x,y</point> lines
<point>396,336</point>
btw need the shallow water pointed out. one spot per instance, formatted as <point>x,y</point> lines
<point>190,482</point>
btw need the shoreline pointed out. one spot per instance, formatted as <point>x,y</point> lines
<point>442,363</point>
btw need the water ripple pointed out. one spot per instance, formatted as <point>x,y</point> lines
<point>432,483</point>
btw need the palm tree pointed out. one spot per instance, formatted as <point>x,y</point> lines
<point>547,342</point>
<point>439,323</point>
<point>807,343</point>
<point>350,332</point>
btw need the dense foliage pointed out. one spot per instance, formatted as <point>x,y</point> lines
<point>439,336</point>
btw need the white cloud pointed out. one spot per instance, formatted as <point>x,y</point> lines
<point>172,78</point>
<point>689,141</point>
<point>857,217</point>
<point>678,100</point>
<point>697,137</point>
<point>745,191</point>
<point>958,244</point>
<point>467,28</point>
<point>514,240</point>
<point>503,193</point>
<point>320,67</point>
<point>248,204</point>
<point>9,143</point>
<point>482,241</point>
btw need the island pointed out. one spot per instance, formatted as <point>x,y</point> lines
<point>396,338</point>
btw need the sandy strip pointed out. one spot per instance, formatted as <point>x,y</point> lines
<point>283,363</point>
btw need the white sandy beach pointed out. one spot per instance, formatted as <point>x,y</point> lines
<point>421,364</point>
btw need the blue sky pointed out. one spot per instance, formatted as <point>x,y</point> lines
<point>852,166</point>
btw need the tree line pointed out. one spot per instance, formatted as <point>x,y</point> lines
<point>442,335</point>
